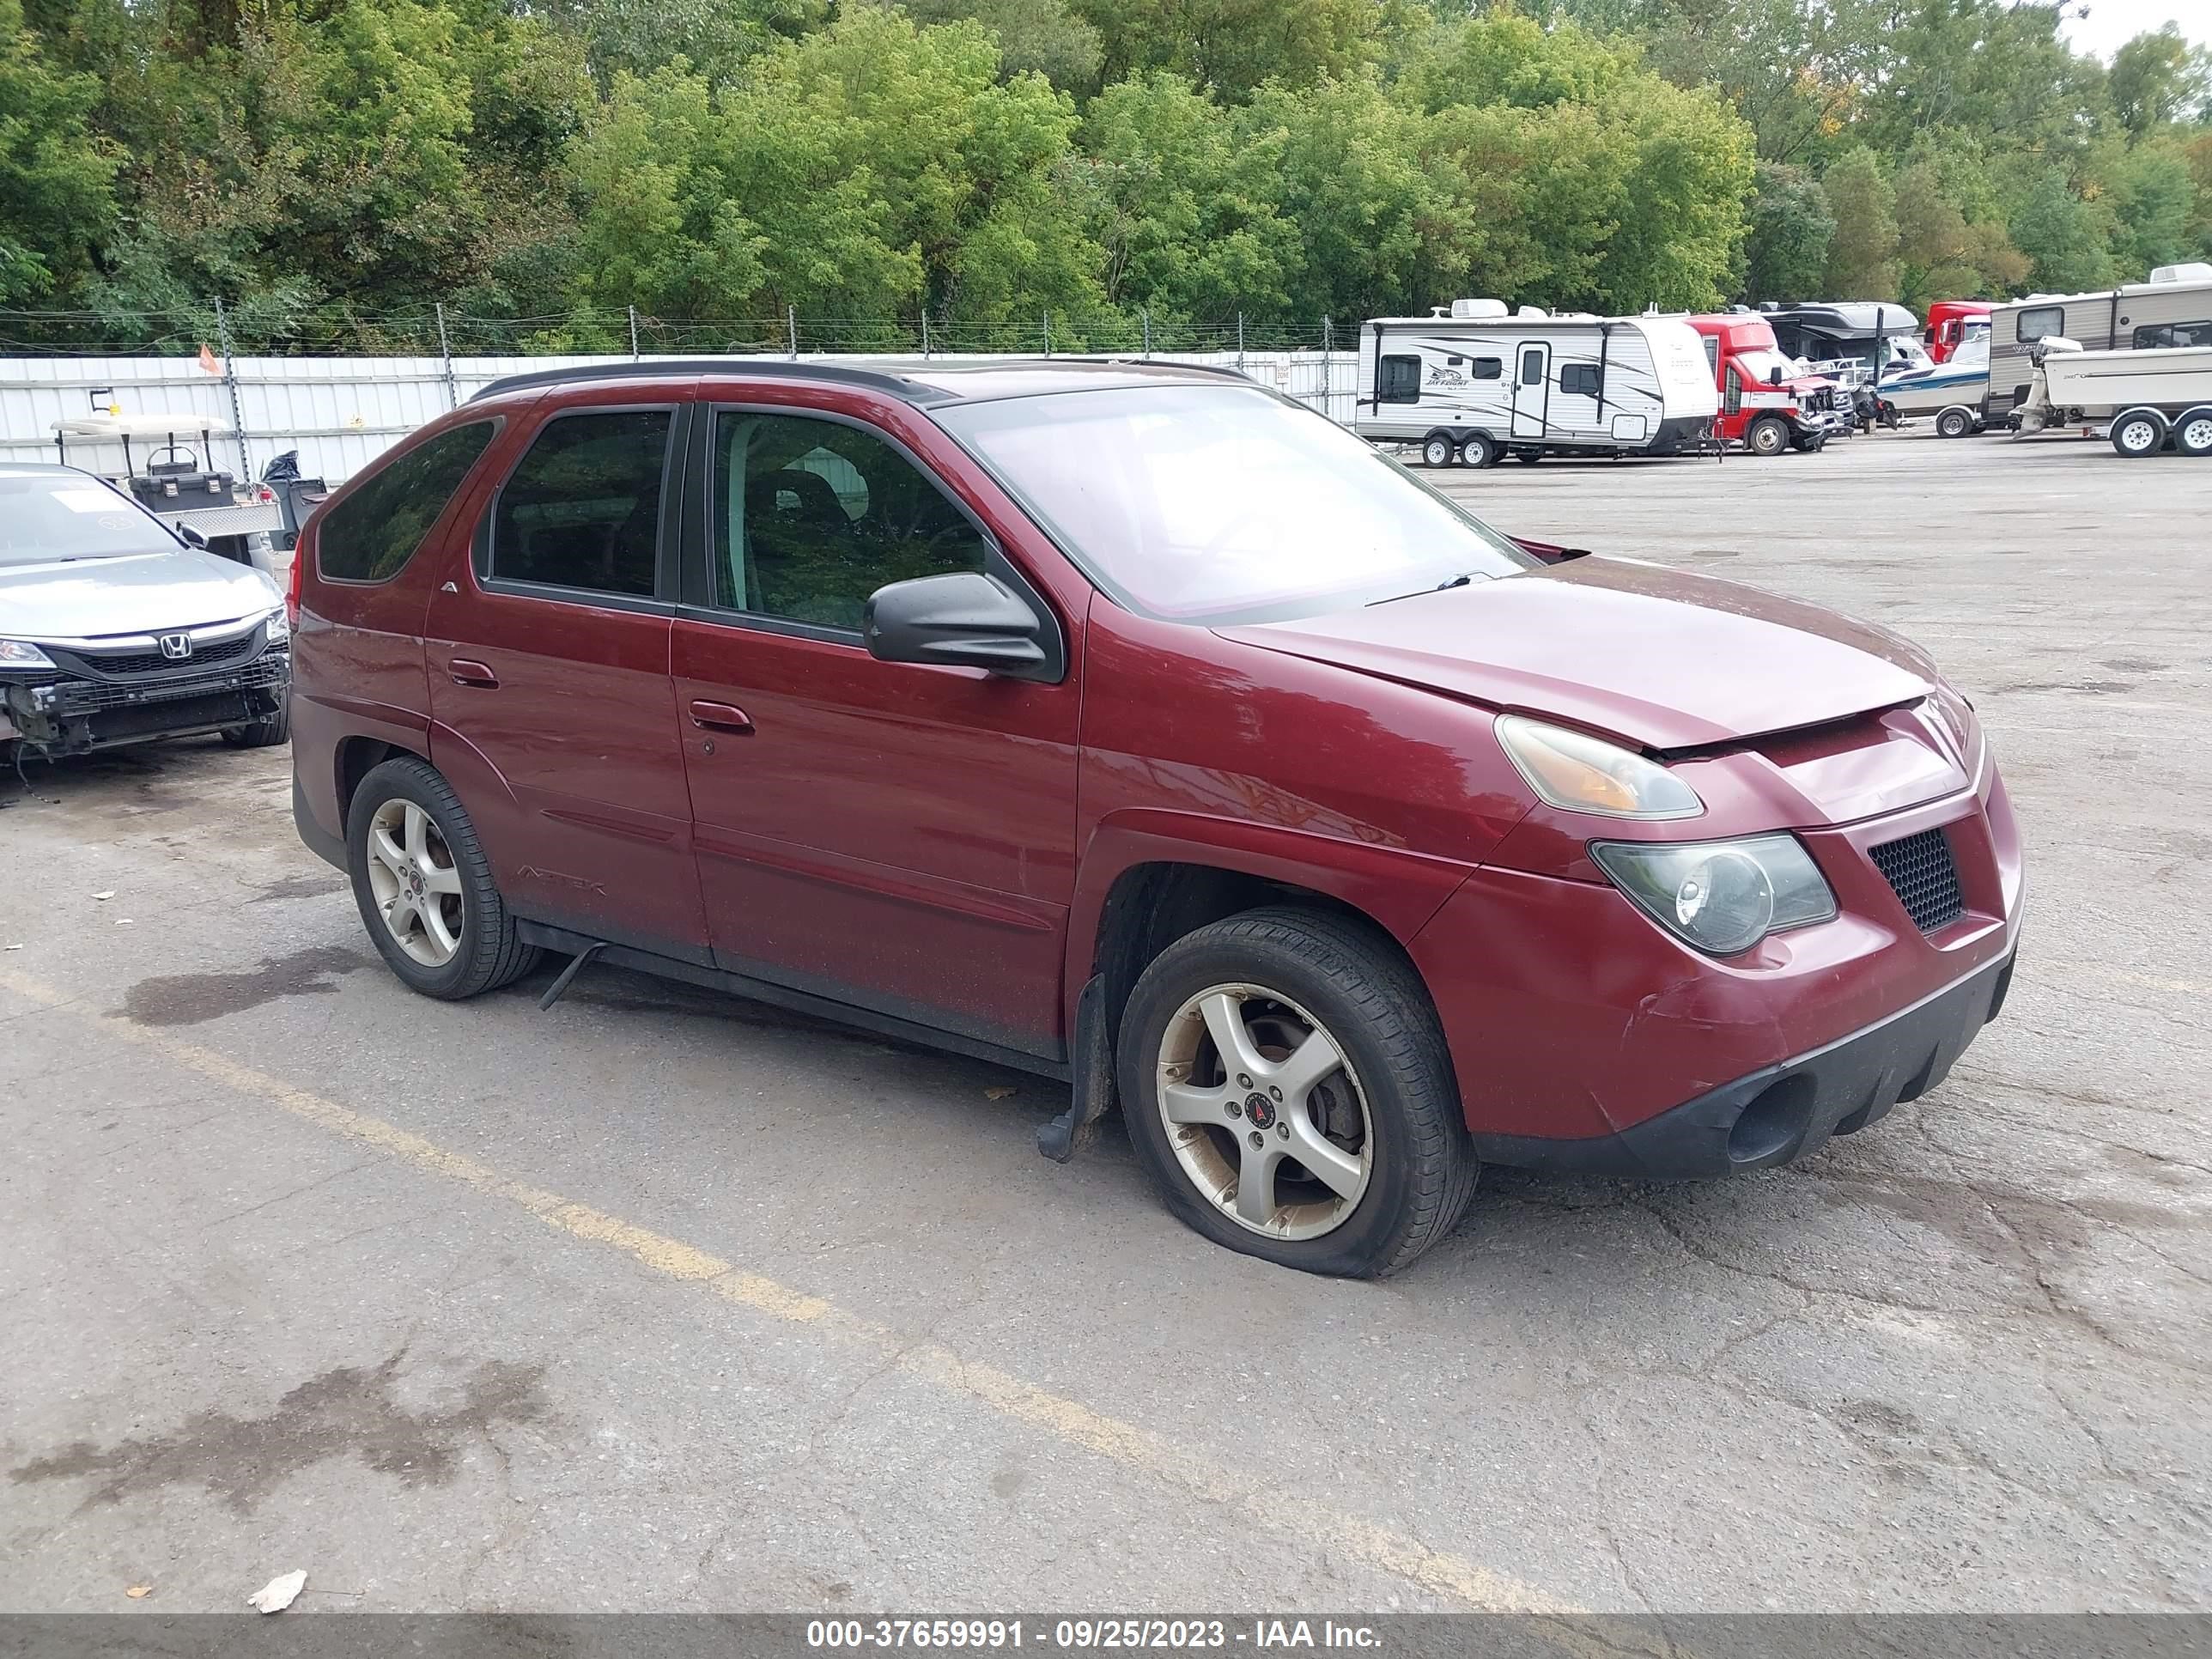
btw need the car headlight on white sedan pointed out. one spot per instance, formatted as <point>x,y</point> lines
<point>22,654</point>
<point>1578,773</point>
<point>278,625</point>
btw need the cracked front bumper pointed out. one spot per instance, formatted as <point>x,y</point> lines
<point>1784,1112</point>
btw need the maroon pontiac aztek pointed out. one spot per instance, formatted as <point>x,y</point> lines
<point>1138,727</point>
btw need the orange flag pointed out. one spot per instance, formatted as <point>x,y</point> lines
<point>207,362</point>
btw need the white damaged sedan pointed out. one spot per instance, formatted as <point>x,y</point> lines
<point>113,629</point>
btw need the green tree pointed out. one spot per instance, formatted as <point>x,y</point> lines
<point>1233,46</point>
<point>1862,256</point>
<point>2158,78</point>
<point>2153,197</point>
<point>2064,237</point>
<point>1039,35</point>
<point>1185,211</point>
<point>1791,228</point>
<point>56,178</point>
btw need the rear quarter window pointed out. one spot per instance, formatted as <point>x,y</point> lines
<point>370,535</point>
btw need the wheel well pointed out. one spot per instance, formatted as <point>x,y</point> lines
<point>356,758</point>
<point>1150,906</point>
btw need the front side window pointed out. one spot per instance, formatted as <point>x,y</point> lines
<point>1580,377</point>
<point>370,535</point>
<point>2038,322</point>
<point>1732,399</point>
<point>810,517</point>
<point>1399,380</point>
<point>1216,504</point>
<point>582,507</point>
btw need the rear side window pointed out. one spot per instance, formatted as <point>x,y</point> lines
<point>582,507</point>
<point>1400,380</point>
<point>2038,322</point>
<point>2153,336</point>
<point>370,535</point>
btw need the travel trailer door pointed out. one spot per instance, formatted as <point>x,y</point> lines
<point>1532,392</point>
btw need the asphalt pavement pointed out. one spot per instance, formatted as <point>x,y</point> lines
<point>662,1300</point>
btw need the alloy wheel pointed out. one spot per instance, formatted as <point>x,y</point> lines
<point>416,886</point>
<point>1263,1112</point>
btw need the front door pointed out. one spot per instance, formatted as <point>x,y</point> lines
<point>896,835</point>
<point>1532,392</point>
<point>550,697</point>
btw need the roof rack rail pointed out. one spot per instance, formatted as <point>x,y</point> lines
<point>759,367</point>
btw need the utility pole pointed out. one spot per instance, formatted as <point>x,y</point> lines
<point>791,328</point>
<point>230,382</point>
<point>445,357</point>
<point>1240,343</point>
<point>1146,312</point>
<point>633,333</point>
<point>1048,334</point>
<point>925,334</point>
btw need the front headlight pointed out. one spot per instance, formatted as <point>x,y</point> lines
<point>279,626</point>
<point>1722,897</point>
<point>22,654</point>
<point>1957,716</point>
<point>1578,773</point>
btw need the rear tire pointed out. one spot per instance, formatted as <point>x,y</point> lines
<point>1379,1103</point>
<point>1769,435</point>
<point>2192,432</point>
<point>1528,457</point>
<point>2138,433</point>
<point>1477,450</point>
<point>484,953</point>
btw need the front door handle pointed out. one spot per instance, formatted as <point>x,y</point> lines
<point>721,717</point>
<point>466,673</point>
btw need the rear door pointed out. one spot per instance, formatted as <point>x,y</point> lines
<point>896,835</point>
<point>1532,391</point>
<point>547,654</point>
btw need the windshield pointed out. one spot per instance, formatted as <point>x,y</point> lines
<point>1756,366</point>
<point>1212,504</point>
<point>57,516</point>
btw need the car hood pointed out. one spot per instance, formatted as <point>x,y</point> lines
<point>1665,659</point>
<point>135,593</point>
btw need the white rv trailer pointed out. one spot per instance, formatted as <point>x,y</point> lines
<point>2173,308</point>
<point>2144,400</point>
<point>1475,383</point>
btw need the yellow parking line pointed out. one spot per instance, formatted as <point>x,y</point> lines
<point>1170,1463</point>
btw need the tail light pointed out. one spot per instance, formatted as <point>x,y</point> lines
<point>300,555</point>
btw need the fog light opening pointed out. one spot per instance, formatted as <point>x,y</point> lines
<point>1772,1126</point>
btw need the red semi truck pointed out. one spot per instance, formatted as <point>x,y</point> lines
<point>1765,404</point>
<point>1951,323</point>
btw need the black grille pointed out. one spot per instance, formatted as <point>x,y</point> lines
<point>1921,869</point>
<point>206,656</point>
<point>88,696</point>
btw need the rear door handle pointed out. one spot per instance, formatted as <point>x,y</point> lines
<point>466,673</point>
<point>721,717</point>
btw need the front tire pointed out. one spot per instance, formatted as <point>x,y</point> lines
<point>1286,1086</point>
<point>272,733</point>
<point>1954,423</point>
<point>1438,450</point>
<point>2138,434</point>
<point>425,888</point>
<point>1769,435</point>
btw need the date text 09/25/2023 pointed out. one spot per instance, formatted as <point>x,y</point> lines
<point>1090,1634</point>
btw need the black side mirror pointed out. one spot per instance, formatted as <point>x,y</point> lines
<point>190,537</point>
<point>1774,376</point>
<point>965,619</point>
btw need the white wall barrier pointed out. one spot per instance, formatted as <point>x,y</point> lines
<point>340,413</point>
